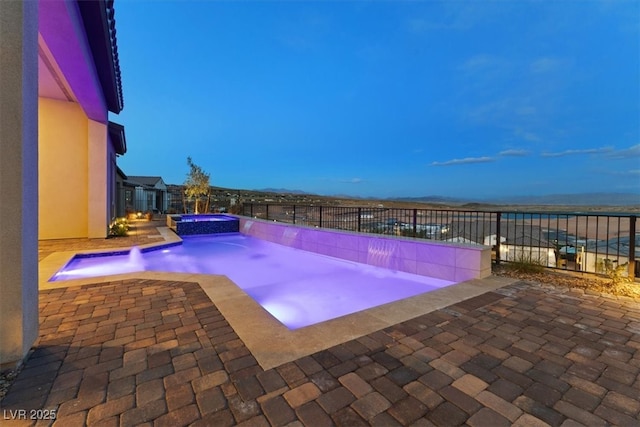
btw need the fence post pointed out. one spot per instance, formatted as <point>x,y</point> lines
<point>359,218</point>
<point>320,224</point>
<point>415,222</point>
<point>499,217</point>
<point>631,267</point>
<point>294,214</point>
<point>267,212</point>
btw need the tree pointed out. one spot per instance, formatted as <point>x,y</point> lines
<point>197,183</point>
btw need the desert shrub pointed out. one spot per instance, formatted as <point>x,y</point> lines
<point>525,262</point>
<point>119,227</point>
<point>616,274</point>
<point>411,233</point>
<point>236,209</point>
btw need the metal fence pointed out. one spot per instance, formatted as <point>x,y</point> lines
<point>579,242</point>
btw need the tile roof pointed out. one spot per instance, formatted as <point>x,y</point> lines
<point>100,26</point>
<point>515,234</point>
<point>149,181</point>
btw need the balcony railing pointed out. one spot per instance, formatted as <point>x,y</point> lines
<point>578,242</point>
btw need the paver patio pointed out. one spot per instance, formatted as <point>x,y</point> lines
<point>158,352</point>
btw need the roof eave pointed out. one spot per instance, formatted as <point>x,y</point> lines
<point>121,173</point>
<point>117,137</point>
<point>99,23</point>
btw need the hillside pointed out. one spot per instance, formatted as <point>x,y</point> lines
<point>585,202</point>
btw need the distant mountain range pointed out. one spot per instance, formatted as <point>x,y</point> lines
<point>282,191</point>
<point>583,199</point>
<point>605,199</point>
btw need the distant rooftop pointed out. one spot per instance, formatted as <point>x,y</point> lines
<point>149,181</point>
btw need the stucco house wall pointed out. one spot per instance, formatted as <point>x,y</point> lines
<point>63,151</point>
<point>148,193</point>
<point>19,180</point>
<point>76,149</point>
<point>59,79</point>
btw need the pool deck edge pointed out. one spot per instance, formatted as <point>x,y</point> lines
<point>270,342</point>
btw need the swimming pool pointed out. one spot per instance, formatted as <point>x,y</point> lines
<point>297,287</point>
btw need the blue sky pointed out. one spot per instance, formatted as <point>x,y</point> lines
<point>384,98</point>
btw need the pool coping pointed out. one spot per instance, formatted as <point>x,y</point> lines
<point>271,343</point>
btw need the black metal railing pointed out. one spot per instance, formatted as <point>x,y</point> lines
<point>580,242</point>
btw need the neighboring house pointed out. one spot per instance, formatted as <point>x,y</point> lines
<point>121,177</point>
<point>78,86</point>
<point>614,251</point>
<point>59,80</point>
<point>175,198</point>
<point>517,242</point>
<point>145,194</point>
<point>474,233</point>
<point>528,248</point>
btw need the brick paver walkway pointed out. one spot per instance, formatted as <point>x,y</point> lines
<point>143,352</point>
<point>141,232</point>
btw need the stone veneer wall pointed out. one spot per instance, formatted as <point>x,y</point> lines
<point>447,261</point>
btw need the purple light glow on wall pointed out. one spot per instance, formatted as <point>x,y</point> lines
<point>59,23</point>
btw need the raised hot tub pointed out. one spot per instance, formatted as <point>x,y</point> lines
<point>191,224</point>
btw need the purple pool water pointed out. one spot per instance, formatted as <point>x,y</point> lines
<point>298,288</point>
